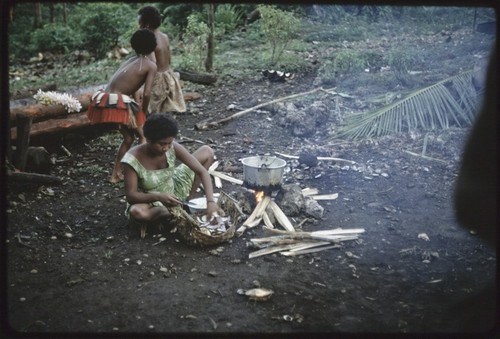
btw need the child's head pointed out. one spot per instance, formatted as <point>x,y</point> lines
<point>149,17</point>
<point>143,42</point>
<point>159,126</point>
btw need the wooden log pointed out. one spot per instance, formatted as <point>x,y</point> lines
<point>56,125</point>
<point>191,96</point>
<point>23,130</point>
<point>41,112</point>
<point>33,177</point>
<point>199,78</point>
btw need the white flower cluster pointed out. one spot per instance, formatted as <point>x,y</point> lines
<point>52,98</point>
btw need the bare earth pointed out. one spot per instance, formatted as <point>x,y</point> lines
<point>72,268</point>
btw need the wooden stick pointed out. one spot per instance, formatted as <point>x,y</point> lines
<point>186,139</point>
<point>325,196</point>
<point>308,236</point>
<point>265,251</point>
<point>206,125</point>
<point>424,156</point>
<point>337,231</point>
<point>311,250</point>
<point>217,180</point>
<point>281,217</point>
<point>309,191</point>
<point>319,158</point>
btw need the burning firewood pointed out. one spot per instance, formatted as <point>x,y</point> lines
<point>281,217</point>
<point>256,217</point>
<point>267,220</point>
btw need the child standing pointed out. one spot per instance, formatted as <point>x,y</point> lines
<point>115,104</point>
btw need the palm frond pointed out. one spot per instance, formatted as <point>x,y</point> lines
<point>450,102</point>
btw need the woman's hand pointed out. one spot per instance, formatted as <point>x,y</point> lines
<point>212,208</point>
<point>168,199</point>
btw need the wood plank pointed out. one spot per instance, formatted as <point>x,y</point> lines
<point>226,177</point>
<point>332,196</point>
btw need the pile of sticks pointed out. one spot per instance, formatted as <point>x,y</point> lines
<point>297,243</point>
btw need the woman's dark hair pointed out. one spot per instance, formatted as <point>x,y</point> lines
<point>150,16</point>
<point>143,41</point>
<point>159,126</point>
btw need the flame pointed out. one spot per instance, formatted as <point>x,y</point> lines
<point>259,196</point>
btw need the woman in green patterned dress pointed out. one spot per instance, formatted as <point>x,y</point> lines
<point>152,181</point>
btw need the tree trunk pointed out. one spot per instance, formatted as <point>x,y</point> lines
<point>37,23</point>
<point>52,13</point>
<point>65,14</point>
<point>209,61</point>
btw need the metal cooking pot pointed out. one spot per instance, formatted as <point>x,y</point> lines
<point>263,173</point>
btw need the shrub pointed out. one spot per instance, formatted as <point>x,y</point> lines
<point>343,63</point>
<point>195,43</point>
<point>55,38</point>
<point>227,18</point>
<point>102,25</point>
<point>279,28</point>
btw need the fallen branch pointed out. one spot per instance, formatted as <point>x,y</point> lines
<point>33,177</point>
<point>207,124</point>
<point>425,157</point>
<point>319,158</point>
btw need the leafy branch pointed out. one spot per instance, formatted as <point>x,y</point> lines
<point>450,101</point>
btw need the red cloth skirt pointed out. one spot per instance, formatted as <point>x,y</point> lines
<point>115,108</point>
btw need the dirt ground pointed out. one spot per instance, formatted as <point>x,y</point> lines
<point>71,267</point>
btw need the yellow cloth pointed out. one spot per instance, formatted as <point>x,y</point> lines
<point>166,93</point>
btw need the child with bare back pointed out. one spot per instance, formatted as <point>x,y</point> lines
<point>166,94</point>
<point>115,104</point>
